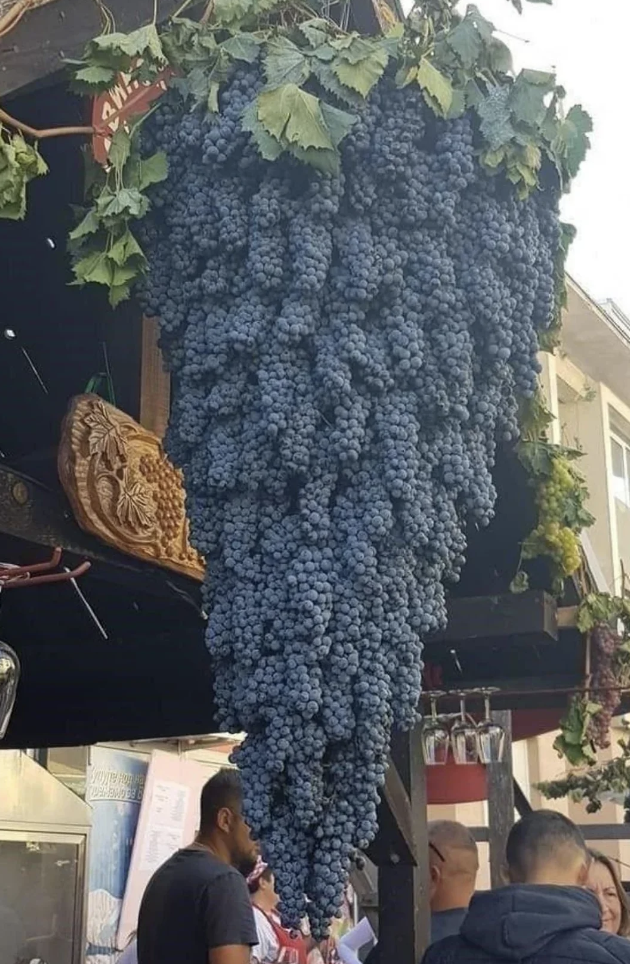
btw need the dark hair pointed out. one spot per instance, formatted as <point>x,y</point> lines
<point>222,790</point>
<point>609,863</point>
<point>537,839</point>
<point>267,875</point>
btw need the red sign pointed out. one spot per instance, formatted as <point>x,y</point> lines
<point>117,106</point>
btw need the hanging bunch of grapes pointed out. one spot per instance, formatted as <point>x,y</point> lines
<point>350,305</point>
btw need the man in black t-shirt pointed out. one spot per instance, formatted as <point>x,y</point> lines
<point>196,908</point>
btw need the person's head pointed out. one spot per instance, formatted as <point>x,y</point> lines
<point>545,847</point>
<point>261,883</point>
<point>603,881</point>
<point>221,821</point>
<point>453,865</point>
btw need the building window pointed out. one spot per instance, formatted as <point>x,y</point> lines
<point>620,451</point>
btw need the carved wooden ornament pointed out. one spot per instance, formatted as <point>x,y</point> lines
<point>122,488</point>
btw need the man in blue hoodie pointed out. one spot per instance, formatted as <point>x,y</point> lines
<point>545,916</point>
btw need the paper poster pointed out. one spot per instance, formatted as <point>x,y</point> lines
<point>114,790</point>
<point>169,820</point>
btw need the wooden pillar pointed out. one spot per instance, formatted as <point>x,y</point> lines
<point>500,801</point>
<point>155,382</point>
<point>401,855</point>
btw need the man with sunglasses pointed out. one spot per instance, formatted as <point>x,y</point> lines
<point>453,868</point>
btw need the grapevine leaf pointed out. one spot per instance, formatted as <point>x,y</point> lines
<point>268,146</point>
<point>356,50</point>
<point>499,56</point>
<point>122,274</point>
<point>458,105</point>
<point>94,267</point>
<point>128,201</point>
<point>94,76</point>
<point>405,75</point>
<point>362,76</point>
<point>89,225</point>
<point>520,583</point>
<point>285,63</point>
<point>435,85</point>
<point>152,170</point>
<point>118,294</point>
<point>139,42</point>
<point>315,31</point>
<point>338,122</point>
<point>292,113</point>
<point>527,97</point>
<point>120,149</point>
<point>323,160</point>
<point>126,249</point>
<point>324,74</point>
<point>493,159</point>
<point>572,140</point>
<point>325,53</point>
<point>242,46</point>
<point>466,42</point>
<point>15,208</point>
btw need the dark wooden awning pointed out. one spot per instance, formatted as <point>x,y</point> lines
<point>150,678</point>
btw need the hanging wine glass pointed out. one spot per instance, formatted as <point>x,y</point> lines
<point>464,738</point>
<point>9,677</point>
<point>435,736</point>
<point>491,735</point>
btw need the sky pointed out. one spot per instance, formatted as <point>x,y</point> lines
<point>586,42</point>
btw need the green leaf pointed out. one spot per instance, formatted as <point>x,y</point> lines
<point>120,149</point>
<point>458,105</point>
<point>325,53</point>
<point>290,113</point>
<point>89,225</point>
<point>338,122</point>
<point>572,141</point>
<point>364,74</point>
<point>466,42</point>
<point>94,76</point>
<point>139,42</point>
<point>268,146</point>
<point>126,249</point>
<point>324,74</point>
<point>315,31</point>
<point>527,97</point>
<point>285,63</point>
<point>499,57</point>
<point>520,583</point>
<point>326,161</point>
<point>118,294</point>
<point>128,201</point>
<point>95,267</point>
<point>152,170</point>
<point>242,46</point>
<point>436,87</point>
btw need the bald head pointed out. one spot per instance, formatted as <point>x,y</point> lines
<point>546,847</point>
<point>453,865</point>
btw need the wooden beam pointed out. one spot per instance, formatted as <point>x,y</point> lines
<point>527,614</point>
<point>500,801</point>
<point>48,35</point>
<point>155,382</point>
<point>403,931</point>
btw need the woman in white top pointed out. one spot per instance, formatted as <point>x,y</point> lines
<point>275,942</point>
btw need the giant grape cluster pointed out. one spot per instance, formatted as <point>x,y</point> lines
<point>347,353</point>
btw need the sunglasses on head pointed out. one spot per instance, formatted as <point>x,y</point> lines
<point>436,851</point>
